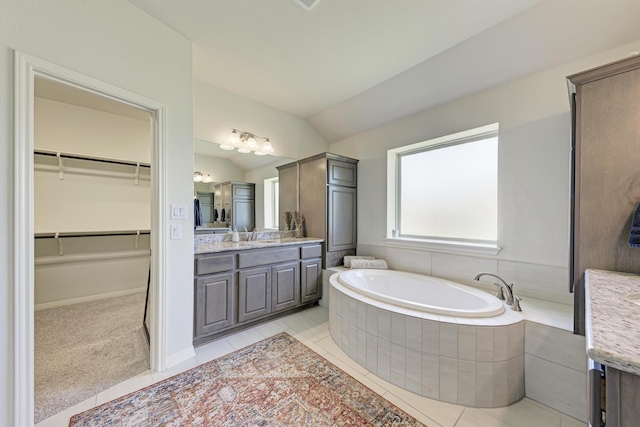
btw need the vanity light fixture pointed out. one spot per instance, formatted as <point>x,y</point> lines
<point>206,178</point>
<point>197,177</point>
<point>247,142</point>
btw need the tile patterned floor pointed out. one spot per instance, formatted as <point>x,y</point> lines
<point>311,327</point>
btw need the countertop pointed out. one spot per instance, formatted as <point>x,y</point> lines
<point>206,248</point>
<point>612,322</point>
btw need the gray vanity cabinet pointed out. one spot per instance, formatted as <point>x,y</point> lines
<point>243,214</point>
<point>206,206</point>
<point>285,286</point>
<point>341,234</point>
<point>254,293</point>
<point>238,202</point>
<point>311,279</point>
<point>212,310</point>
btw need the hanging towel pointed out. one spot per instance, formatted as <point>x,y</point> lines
<point>215,215</point>
<point>197,213</point>
<point>634,236</point>
<point>222,216</point>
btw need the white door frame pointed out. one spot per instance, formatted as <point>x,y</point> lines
<point>26,69</point>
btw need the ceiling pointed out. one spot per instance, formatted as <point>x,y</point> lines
<point>348,66</point>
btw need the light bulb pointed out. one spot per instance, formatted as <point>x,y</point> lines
<point>227,147</point>
<point>267,147</point>
<point>251,143</point>
<point>206,178</point>
<point>197,177</point>
<point>234,138</point>
<point>243,150</point>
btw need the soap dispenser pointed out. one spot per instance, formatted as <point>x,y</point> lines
<point>235,238</point>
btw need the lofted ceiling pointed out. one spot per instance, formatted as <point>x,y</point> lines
<point>351,65</point>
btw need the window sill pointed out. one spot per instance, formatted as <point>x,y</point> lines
<point>443,246</point>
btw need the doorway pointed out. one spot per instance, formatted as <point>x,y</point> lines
<point>27,69</point>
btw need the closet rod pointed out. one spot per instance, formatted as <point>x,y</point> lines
<point>91,234</point>
<point>94,159</point>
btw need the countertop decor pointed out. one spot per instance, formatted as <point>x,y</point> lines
<point>613,319</point>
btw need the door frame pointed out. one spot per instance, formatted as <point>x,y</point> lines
<point>26,69</point>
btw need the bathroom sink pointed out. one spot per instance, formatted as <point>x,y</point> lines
<point>633,297</point>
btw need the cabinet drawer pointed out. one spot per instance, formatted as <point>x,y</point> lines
<point>208,264</point>
<point>267,256</point>
<point>311,251</point>
<point>342,173</point>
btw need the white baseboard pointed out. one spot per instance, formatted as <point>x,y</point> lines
<point>71,301</point>
<point>180,357</point>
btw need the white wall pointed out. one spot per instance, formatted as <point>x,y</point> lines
<point>533,179</point>
<point>258,176</point>
<point>217,111</point>
<point>117,43</point>
<point>221,170</point>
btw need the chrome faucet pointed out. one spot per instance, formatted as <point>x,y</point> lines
<point>505,290</point>
<point>254,234</point>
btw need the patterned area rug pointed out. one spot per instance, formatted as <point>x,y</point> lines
<point>276,382</point>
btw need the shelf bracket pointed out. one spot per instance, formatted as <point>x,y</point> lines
<point>137,176</point>
<point>60,247</point>
<point>137,244</point>
<point>60,167</point>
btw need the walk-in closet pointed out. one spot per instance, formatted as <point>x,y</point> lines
<point>92,213</point>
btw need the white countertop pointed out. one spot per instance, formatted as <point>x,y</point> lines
<point>612,322</point>
<point>213,247</point>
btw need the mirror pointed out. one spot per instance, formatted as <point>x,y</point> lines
<point>223,166</point>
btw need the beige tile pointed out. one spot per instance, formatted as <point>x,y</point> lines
<point>175,370</point>
<point>61,419</point>
<point>500,383</point>
<point>557,386</point>
<point>409,260</point>
<point>213,350</point>
<point>536,280</point>
<point>329,346</point>
<point>352,345</point>
<point>448,340</point>
<point>362,378</point>
<point>448,379</point>
<point>555,345</point>
<point>515,378</point>
<point>572,422</point>
<point>484,343</point>
<point>472,417</point>
<point>446,414</point>
<point>484,384</point>
<point>466,382</point>
<point>524,414</point>
<point>272,328</point>
<point>467,342</point>
<point>431,337</point>
<point>384,359</point>
<point>411,410</point>
<point>413,333</point>
<point>372,353</point>
<point>372,250</point>
<point>312,345</point>
<point>129,386</point>
<point>372,320</point>
<point>398,329</point>
<point>362,315</point>
<point>565,419</point>
<point>244,338</point>
<point>500,343</point>
<point>317,314</point>
<point>398,365</point>
<point>361,348</point>
<point>384,325</point>
<point>461,268</point>
<point>430,376</point>
<point>413,365</point>
<point>515,340</point>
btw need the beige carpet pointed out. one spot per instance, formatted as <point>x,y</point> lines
<point>83,349</point>
<point>277,382</point>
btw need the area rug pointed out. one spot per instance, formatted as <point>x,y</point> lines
<point>83,349</point>
<point>276,382</point>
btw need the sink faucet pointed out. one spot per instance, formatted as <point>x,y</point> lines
<point>507,290</point>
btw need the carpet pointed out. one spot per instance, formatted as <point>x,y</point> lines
<point>83,349</point>
<point>276,382</point>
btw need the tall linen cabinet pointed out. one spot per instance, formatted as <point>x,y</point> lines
<point>325,189</point>
<point>605,173</point>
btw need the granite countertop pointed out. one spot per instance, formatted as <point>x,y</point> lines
<point>612,322</point>
<point>212,247</point>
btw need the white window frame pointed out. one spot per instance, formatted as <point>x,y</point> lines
<point>393,196</point>
<point>270,203</point>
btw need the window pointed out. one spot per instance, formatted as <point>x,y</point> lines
<point>271,202</point>
<point>445,191</point>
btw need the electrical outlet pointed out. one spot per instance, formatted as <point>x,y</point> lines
<point>178,211</point>
<point>176,232</point>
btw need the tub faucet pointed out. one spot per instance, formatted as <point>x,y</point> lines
<point>507,290</point>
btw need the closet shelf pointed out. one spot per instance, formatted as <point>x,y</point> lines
<point>90,158</point>
<point>91,234</point>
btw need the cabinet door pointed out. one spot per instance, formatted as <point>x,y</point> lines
<point>311,279</point>
<point>243,191</point>
<point>342,173</point>
<point>243,214</point>
<point>214,303</point>
<point>285,286</point>
<point>254,293</point>
<point>341,221</point>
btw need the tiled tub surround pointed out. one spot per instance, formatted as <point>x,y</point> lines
<point>472,362</point>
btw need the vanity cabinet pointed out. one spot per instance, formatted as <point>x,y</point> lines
<point>236,289</point>
<point>238,201</point>
<point>325,186</point>
<point>206,206</point>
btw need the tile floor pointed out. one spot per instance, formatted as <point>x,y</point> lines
<point>311,327</point>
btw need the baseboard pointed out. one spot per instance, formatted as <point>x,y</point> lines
<point>71,301</point>
<point>180,357</point>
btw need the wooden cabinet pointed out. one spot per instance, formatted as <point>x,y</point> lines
<point>325,193</point>
<point>254,293</point>
<point>285,286</point>
<point>206,206</point>
<point>238,201</point>
<point>234,290</point>
<point>311,280</point>
<point>243,214</point>
<point>605,168</point>
<point>214,303</point>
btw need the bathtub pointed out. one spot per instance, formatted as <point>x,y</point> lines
<point>422,293</point>
<point>433,337</point>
